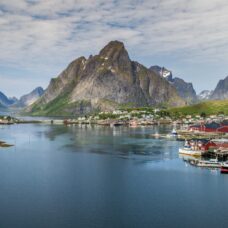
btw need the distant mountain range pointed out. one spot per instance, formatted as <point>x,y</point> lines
<point>24,101</point>
<point>205,95</point>
<point>219,93</point>
<point>108,81</point>
<point>5,101</point>
<point>187,91</point>
<point>31,98</point>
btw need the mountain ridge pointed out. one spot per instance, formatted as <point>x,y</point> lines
<point>5,101</point>
<point>185,89</point>
<point>24,100</point>
<point>103,82</point>
<point>31,97</point>
<point>221,90</point>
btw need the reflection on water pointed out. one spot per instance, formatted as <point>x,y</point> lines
<point>118,141</point>
<point>122,142</point>
<point>95,176</point>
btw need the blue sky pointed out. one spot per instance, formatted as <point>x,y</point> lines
<point>40,37</point>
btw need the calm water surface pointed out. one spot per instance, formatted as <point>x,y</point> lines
<point>58,176</point>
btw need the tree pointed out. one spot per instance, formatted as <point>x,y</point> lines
<point>9,118</point>
<point>203,114</point>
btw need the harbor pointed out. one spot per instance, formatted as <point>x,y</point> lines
<point>205,145</point>
<point>205,141</point>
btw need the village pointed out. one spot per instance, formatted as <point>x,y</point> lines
<point>205,137</point>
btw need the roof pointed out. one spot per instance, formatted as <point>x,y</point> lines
<point>224,123</point>
<point>212,125</point>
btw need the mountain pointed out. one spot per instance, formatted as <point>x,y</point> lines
<point>163,72</point>
<point>31,97</point>
<point>104,82</point>
<point>205,95</point>
<point>221,90</point>
<point>25,100</point>
<point>185,89</point>
<point>5,101</point>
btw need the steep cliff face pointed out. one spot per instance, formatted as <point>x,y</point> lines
<point>65,81</point>
<point>185,89</point>
<point>221,90</point>
<point>103,82</point>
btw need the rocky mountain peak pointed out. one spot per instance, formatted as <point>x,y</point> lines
<point>39,90</point>
<point>7,101</point>
<point>163,72</point>
<point>221,90</point>
<point>115,58</point>
<point>185,89</point>
<point>205,95</point>
<point>31,97</point>
<point>113,50</point>
<point>104,82</point>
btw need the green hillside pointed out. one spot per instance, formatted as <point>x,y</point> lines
<point>208,107</point>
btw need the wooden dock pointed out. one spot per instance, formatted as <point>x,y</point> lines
<point>188,135</point>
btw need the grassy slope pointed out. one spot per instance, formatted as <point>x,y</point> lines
<point>209,107</point>
<point>56,106</point>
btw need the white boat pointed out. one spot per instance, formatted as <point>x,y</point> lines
<point>189,149</point>
<point>212,163</point>
<point>172,134</point>
<point>224,168</point>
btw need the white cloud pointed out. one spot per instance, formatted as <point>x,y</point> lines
<point>38,34</point>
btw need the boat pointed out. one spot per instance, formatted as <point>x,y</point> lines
<point>211,163</point>
<point>220,140</point>
<point>189,149</point>
<point>172,134</point>
<point>224,168</point>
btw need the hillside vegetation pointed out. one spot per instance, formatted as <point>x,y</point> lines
<point>208,107</point>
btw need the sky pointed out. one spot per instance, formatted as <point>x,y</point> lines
<point>39,38</point>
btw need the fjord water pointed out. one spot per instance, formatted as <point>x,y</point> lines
<point>72,176</point>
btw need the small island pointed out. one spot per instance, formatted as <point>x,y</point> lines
<point>4,144</point>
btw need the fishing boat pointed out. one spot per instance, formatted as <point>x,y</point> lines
<point>224,168</point>
<point>190,149</point>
